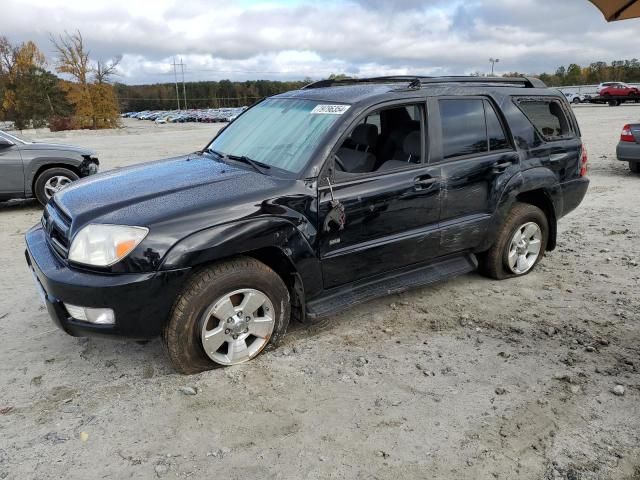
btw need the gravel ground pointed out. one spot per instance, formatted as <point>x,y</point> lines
<point>467,379</point>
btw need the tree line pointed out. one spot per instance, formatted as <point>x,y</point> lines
<point>596,72</point>
<point>225,93</point>
<point>32,96</point>
<point>206,94</point>
<point>86,96</point>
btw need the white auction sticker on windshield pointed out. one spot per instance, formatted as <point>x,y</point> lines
<point>330,109</point>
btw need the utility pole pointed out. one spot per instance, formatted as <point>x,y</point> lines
<point>175,78</point>
<point>493,64</point>
<point>184,88</point>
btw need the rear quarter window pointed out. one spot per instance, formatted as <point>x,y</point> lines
<point>547,116</point>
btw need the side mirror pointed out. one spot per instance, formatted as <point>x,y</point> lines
<point>4,143</point>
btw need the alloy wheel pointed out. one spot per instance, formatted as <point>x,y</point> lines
<point>55,184</point>
<point>237,326</point>
<point>524,248</point>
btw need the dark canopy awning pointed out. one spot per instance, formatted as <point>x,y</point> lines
<point>618,9</point>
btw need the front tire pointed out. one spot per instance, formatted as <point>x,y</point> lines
<point>51,181</point>
<point>634,167</point>
<point>520,244</point>
<point>226,315</point>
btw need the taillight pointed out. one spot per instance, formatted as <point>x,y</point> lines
<point>584,160</point>
<point>627,135</point>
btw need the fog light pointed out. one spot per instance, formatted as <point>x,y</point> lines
<point>99,316</point>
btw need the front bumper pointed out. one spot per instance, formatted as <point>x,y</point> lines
<point>89,166</point>
<point>628,151</point>
<point>141,301</point>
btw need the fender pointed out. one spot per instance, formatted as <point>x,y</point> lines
<point>537,178</point>
<point>34,165</point>
<point>246,236</point>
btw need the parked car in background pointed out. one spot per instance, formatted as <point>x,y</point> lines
<point>604,85</point>
<point>206,115</point>
<point>617,89</point>
<point>310,202</point>
<point>579,93</point>
<point>628,149</point>
<point>576,98</point>
<point>29,169</point>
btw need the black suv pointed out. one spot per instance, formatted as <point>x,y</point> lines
<point>308,203</point>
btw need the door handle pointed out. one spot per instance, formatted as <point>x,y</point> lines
<point>424,182</point>
<point>556,157</point>
<point>500,167</point>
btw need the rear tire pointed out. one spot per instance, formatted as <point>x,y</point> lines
<point>51,181</point>
<point>576,100</point>
<point>634,167</point>
<point>195,316</point>
<point>523,217</point>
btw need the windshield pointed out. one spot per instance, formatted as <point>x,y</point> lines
<point>281,133</point>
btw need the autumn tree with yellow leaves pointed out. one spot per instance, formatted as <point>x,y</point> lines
<point>29,94</point>
<point>89,91</point>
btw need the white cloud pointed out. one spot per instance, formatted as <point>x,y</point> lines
<point>294,39</point>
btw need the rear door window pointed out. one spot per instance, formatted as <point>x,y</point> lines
<point>548,116</point>
<point>495,131</point>
<point>470,126</point>
<point>464,130</point>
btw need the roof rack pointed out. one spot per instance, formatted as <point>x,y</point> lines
<point>416,81</point>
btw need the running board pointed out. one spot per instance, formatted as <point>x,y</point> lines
<point>343,297</point>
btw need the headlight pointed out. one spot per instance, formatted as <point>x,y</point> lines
<point>104,245</point>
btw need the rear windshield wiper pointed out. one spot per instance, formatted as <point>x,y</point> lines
<point>257,166</point>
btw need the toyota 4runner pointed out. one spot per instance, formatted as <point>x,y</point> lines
<point>308,203</point>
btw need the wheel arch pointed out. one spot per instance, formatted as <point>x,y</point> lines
<point>276,242</point>
<point>276,259</point>
<point>541,199</point>
<point>536,186</point>
<point>31,182</point>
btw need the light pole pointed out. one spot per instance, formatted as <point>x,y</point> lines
<point>493,64</point>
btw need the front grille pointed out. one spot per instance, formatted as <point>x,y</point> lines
<point>56,226</point>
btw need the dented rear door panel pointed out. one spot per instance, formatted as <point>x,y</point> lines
<point>471,190</point>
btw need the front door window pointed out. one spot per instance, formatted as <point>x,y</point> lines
<point>384,140</point>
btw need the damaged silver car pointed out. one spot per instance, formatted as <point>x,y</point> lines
<point>32,169</point>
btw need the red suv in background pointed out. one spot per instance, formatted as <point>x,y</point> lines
<point>617,89</point>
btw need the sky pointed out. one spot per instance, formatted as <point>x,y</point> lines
<point>293,39</point>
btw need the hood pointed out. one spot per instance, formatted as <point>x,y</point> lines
<point>182,194</point>
<point>58,147</point>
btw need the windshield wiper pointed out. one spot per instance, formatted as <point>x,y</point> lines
<point>223,156</point>
<point>257,166</point>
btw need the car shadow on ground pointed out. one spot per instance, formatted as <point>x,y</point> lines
<point>17,205</point>
<point>618,171</point>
